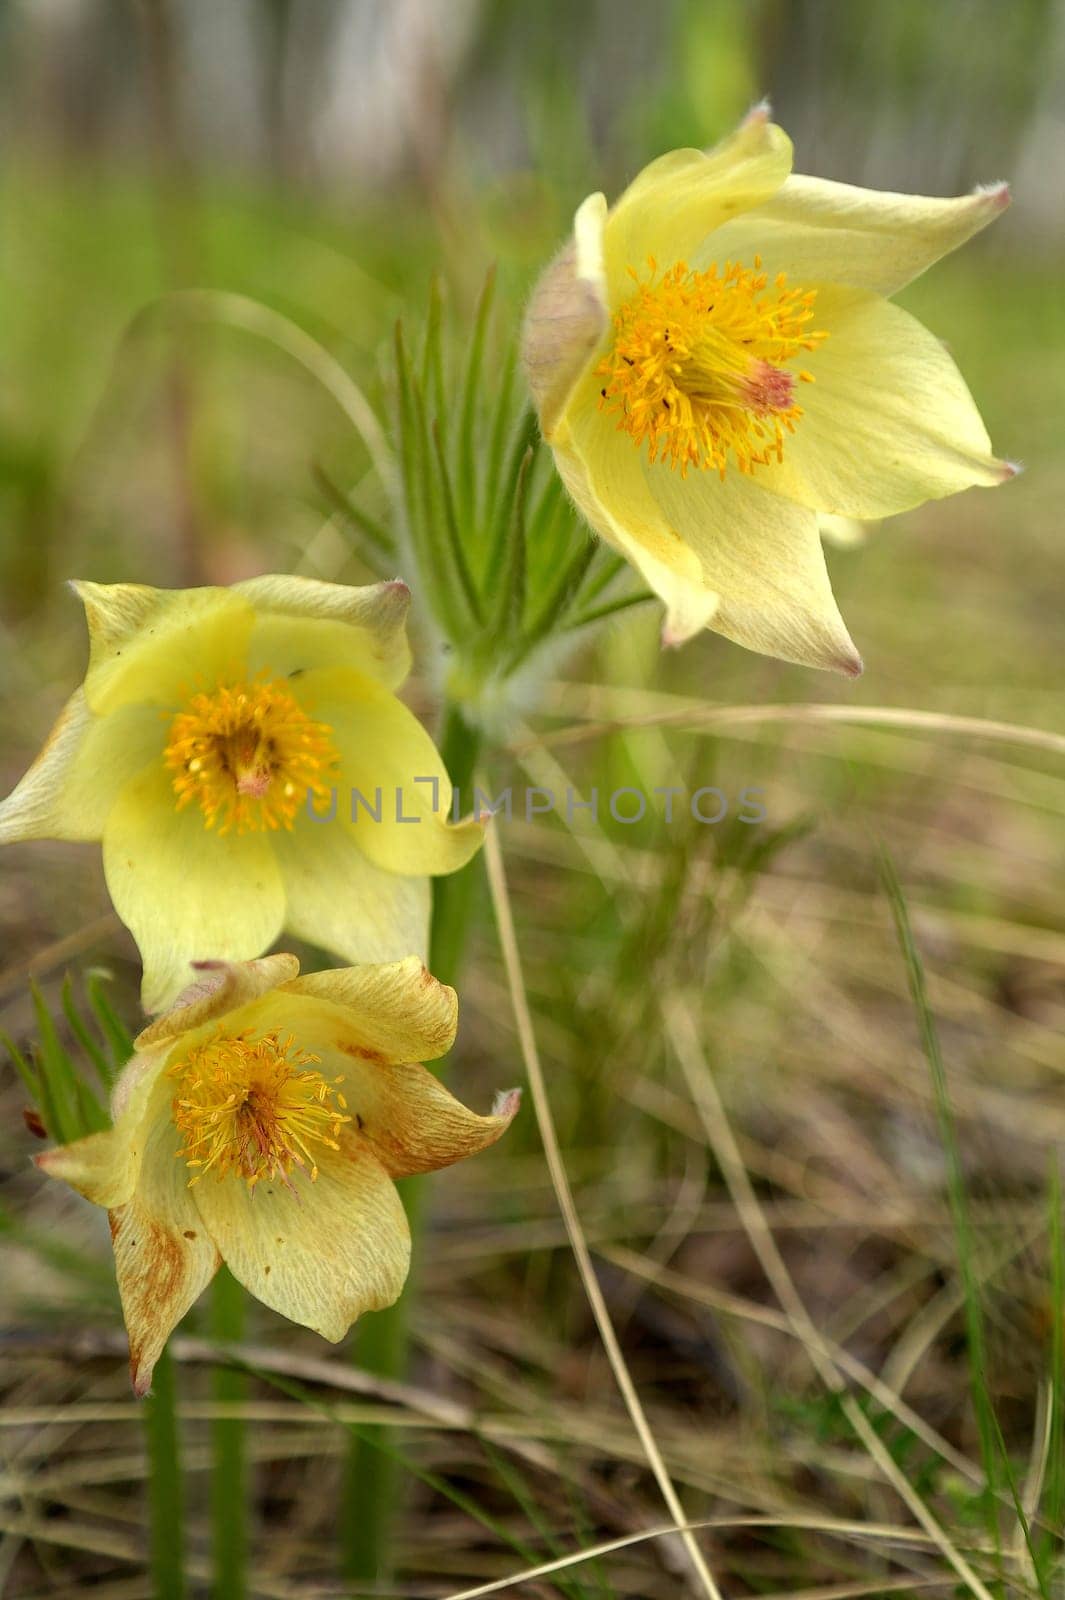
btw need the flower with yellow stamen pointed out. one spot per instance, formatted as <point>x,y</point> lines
<point>261,1122</point>
<point>254,1106</point>
<point>227,749</point>
<point>243,758</point>
<point>716,366</point>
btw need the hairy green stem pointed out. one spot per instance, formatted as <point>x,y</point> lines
<point>229,1497</point>
<point>382,1345</point>
<point>165,1488</point>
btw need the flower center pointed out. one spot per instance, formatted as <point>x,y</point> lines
<point>254,1107</point>
<point>248,755</point>
<point>698,365</point>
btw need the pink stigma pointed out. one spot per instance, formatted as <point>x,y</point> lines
<point>767,388</point>
<point>256,782</point>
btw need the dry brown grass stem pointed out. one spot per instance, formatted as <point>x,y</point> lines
<point>560,1182</point>
<point>723,717</point>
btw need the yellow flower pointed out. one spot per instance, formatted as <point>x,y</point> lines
<point>714,363</point>
<point>261,1123</point>
<point>214,733</point>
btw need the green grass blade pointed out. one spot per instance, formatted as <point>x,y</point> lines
<point>229,1470</point>
<point>523,437</point>
<point>165,1488</point>
<point>80,1030</point>
<point>512,1480</point>
<point>986,1422</point>
<point>91,1114</point>
<point>1054,1491</point>
<point>57,1074</point>
<point>501,423</point>
<point>601,575</point>
<point>414,468</point>
<point>510,610</point>
<point>119,1039</point>
<point>609,608</point>
<point>432,374</point>
<point>465,474</point>
<point>26,1071</point>
<point>425,513</point>
<point>562,593</point>
<point>459,564</point>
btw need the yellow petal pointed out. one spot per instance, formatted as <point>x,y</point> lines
<point>412,1123</point>
<point>888,422</point>
<point>303,623</point>
<point>337,899</point>
<point>394,1011</point>
<point>159,652</point>
<point>669,210</point>
<point>602,471</point>
<point>104,1167</point>
<point>387,756</point>
<point>368,1027</point>
<point>164,1256</point>
<point>822,232</point>
<point>185,892</point>
<point>844,532</point>
<point>763,557</point>
<point>567,315</point>
<point>114,612</point>
<point>219,986</point>
<point>321,1256</point>
<point>725,555</point>
<point>70,788</point>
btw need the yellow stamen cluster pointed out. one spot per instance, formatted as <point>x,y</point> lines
<point>248,755</point>
<point>696,366</point>
<point>254,1106</point>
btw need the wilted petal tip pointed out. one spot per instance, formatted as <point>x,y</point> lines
<point>1010,469</point>
<point>996,195</point>
<point>759,114</point>
<point>506,1104</point>
<point>852,666</point>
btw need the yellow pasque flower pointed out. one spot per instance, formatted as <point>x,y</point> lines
<point>714,363</point>
<point>204,749</point>
<point>261,1123</point>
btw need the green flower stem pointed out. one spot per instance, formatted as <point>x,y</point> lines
<point>165,1489</point>
<point>229,1497</point>
<point>382,1344</point>
<point>454,896</point>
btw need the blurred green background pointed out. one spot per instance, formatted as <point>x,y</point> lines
<point>328,158</point>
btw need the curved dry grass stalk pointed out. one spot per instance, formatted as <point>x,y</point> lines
<point>560,1182</point>
<point>844,1530</point>
<point>725,717</point>
<point>240,311</point>
<point>13,979</point>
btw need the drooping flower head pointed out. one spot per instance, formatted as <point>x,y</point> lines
<point>714,363</point>
<point>261,1123</point>
<point>215,747</point>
